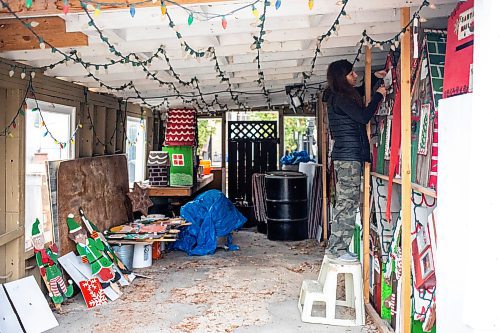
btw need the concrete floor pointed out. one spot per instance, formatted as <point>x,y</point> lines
<point>254,289</point>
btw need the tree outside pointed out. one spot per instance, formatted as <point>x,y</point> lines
<point>294,128</point>
<point>206,128</point>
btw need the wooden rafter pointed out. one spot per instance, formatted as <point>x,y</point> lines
<point>14,36</point>
<point>55,7</point>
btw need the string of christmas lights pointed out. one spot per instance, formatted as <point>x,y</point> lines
<point>21,112</point>
<point>393,41</point>
<point>126,59</point>
<point>193,15</point>
<point>223,78</point>
<point>127,139</point>
<point>334,29</point>
<point>194,82</point>
<point>257,44</point>
<point>73,56</point>
<point>30,93</point>
<point>92,126</point>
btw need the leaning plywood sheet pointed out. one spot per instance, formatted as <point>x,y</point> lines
<point>8,319</point>
<point>52,167</point>
<point>31,305</point>
<point>98,185</point>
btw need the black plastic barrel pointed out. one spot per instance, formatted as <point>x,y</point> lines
<point>286,201</point>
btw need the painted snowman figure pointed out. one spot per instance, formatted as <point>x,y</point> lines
<point>46,260</point>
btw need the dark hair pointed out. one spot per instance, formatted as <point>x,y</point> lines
<point>337,82</point>
<point>74,234</point>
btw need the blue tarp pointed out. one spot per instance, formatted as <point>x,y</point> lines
<point>212,215</point>
<point>295,158</point>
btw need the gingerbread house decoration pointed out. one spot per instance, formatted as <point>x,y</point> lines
<point>180,127</point>
<point>180,140</point>
<point>158,168</point>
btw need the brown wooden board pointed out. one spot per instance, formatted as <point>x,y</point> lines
<point>15,36</point>
<point>55,7</point>
<point>97,184</point>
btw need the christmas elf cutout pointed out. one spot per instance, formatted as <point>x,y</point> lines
<point>90,249</point>
<point>46,260</point>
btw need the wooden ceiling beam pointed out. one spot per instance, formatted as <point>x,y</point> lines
<point>14,36</point>
<point>55,7</point>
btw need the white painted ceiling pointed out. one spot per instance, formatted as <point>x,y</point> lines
<point>289,44</point>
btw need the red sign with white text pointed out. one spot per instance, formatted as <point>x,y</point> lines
<point>459,51</point>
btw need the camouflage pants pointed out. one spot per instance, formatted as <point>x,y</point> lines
<point>348,175</point>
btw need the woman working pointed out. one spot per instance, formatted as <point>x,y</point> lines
<point>347,118</point>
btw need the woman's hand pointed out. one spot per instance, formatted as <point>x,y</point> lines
<point>380,74</point>
<point>382,90</point>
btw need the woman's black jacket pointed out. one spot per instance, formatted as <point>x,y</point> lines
<point>347,122</point>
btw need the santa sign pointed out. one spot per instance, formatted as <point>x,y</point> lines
<point>459,51</point>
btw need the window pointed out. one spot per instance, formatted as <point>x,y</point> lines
<point>136,150</point>
<point>178,159</point>
<point>300,135</point>
<point>50,129</point>
<point>209,140</point>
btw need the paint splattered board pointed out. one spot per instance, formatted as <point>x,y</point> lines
<point>98,185</point>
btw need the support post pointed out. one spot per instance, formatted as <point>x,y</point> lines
<point>281,135</point>
<point>86,134</point>
<point>224,151</point>
<point>14,186</point>
<point>323,116</point>
<point>224,139</point>
<point>366,186</point>
<point>405,173</point>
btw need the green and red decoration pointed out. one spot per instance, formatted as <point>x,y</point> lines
<point>91,250</point>
<point>46,260</point>
<point>92,293</point>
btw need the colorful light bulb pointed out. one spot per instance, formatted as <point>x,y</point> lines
<point>255,12</point>
<point>97,11</point>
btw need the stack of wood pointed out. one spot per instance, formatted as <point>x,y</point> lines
<point>146,231</point>
<point>259,196</point>
<point>315,204</point>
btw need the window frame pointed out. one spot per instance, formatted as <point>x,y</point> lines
<point>141,124</point>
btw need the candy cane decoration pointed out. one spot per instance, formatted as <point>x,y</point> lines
<point>434,156</point>
<point>392,304</point>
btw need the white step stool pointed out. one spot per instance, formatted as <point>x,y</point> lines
<point>324,290</point>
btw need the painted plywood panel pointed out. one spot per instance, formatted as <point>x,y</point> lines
<point>98,185</point>
<point>31,305</point>
<point>455,119</point>
<point>8,319</point>
<point>14,184</point>
<point>3,98</point>
<point>52,168</point>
